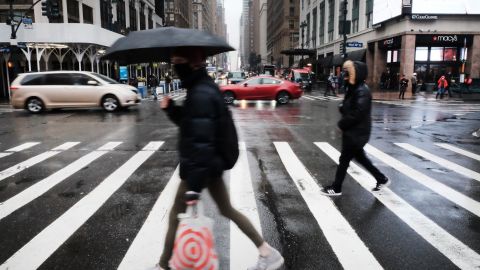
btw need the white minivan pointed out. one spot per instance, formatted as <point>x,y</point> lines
<point>39,91</point>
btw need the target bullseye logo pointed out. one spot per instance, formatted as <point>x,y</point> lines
<point>194,249</point>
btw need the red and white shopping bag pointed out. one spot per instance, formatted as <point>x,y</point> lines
<point>194,247</point>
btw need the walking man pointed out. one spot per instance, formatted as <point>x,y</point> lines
<point>355,124</point>
<point>403,87</point>
<point>332,83</point>
<point>200,142</point>
<point>442,85</point>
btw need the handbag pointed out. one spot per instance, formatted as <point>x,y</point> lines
<point>194,247</point>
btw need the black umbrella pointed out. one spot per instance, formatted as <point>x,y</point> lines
<point>155,45</point>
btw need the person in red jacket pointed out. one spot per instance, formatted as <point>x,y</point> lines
<point>442,84</point>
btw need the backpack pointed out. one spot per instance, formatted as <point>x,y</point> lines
<point>227,145</point>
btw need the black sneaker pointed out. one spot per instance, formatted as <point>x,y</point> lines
<point>385,183</point>
<point>330,191</point>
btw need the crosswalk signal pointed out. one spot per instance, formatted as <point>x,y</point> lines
<point>342,48</point>
<point>54,9</point>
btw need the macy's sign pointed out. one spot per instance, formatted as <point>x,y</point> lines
<point>445,38</point>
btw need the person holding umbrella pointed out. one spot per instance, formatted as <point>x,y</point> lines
<point>202,159</point>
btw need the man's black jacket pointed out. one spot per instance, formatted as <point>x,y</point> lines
<point>198,120</point>
<point>356,122</point>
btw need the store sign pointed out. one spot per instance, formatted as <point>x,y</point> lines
<point>444,40</point>
<point>424,17</point>
<point>447,38</point>
<point>390,43</point>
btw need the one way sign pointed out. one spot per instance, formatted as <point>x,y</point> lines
<point>354,44</point>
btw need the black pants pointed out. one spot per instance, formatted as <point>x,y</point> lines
<point>402,93</point>
<point>349,153</point>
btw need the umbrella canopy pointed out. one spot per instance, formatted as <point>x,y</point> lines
<point>156,45</point>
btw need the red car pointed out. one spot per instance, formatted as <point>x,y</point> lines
<point>262,88</point>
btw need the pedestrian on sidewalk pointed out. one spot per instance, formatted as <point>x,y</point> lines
<point>355,125</point>
<point>449,83</point>
<point>403,87</point>
<point>152,84</point>
<point>201,160</point>
<point>332,83</point>
<point>441,84</point>
<point>414,84</point>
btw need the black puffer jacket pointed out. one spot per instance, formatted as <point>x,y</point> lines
<point>198,120</point>
<point>356,122</point>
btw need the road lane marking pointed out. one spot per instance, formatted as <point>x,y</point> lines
<point>35,160</point>
<point>146,248</point>
<point>21,199</point>
<point>309,98</point>
<point>243,252</point>
<point>442,189</point>
<point>349,248</point>
<point>460,254</point>
<point>44,244</point>
<point>441,161</point>
<point>18,149</point>
<point>459,151</point>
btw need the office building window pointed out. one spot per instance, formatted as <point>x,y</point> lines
<point>331,19</point>
<point>292,11</point>
<point>121,14</point>
<point>314,28</point>
<point>369,13</point>
<point>307,39</point>
<point>291,24</point>
<point>87,14</point>
<point>321,27</point>
<point>104,11</point>
<point>133,16</point>
<point>73,12</point>
<point>355,15</point>
<point>150,18</point>
<point>142,16</point>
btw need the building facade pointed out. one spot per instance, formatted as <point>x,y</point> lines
<point>411,40</point>
<point>178,13</point>
<point>282,30</point>
<point>73,41</point>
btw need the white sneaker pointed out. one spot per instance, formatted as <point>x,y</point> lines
<point>270,262</point>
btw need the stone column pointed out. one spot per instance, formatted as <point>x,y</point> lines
<point>473,58</point>
<point>407,57</point>
<point>65,11</point>
<point>369,58</point>
<point>80,13</point>
<point>379,65</point>
<point>127,13</point>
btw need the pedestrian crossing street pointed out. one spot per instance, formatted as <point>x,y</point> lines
<point>351,251</point>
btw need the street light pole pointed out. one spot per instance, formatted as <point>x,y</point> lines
<point>345,3</point>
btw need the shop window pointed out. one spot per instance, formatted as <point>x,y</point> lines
<point>393,56</point>
<point>389,56</point>
<point>421,54</point>
<point>450,54</point>
<point>436,54</point>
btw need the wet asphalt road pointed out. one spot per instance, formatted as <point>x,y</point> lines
<point>287,222</point>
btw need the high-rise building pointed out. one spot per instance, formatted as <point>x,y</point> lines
<point>282,30</point>
<point>203,17</point>
<point>178,13</point>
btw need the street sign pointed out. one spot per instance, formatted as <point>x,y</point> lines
<point>28,23</point>
<point>354,44</point>
<point>123,73</point>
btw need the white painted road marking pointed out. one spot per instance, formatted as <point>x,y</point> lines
<point>243,252</point>
<point>36,190</point>
<point>459,151</point>
<point>441,161</point>
<point>460,254</point>
<point>146,248</point>
<point>35,160</point>
<point>445,191</point>
<point>349,248</point>
<point>42,246</point>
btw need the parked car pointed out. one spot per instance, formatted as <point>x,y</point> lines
<point>302,76</point>
<point>262,88</point>
<point>234,77</point>
<point>39,91</point>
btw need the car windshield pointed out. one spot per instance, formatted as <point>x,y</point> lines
<point>105,78</point>
<point>303,76</point>
<point>236,75</point>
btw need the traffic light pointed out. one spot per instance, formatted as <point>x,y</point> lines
<point>54,9</point>
<point>342,48</point>
<point>46,8</point>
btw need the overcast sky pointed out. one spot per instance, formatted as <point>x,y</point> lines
<point>233,11</point>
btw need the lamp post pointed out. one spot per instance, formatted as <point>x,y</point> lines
<point>345,11</point>
<point>303,25</point>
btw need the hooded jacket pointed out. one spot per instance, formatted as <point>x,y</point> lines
<point>356,122</point>
<point>198,120</point>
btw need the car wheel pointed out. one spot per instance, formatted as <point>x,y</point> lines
<point>283,97</point>
<point>228,97</point>
<point>35,105</point>
<point>110,103</point>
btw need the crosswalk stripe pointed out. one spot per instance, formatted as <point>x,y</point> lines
<point>35,191</point>
<point>243,252</point>
<point>309,98</point>
<point>349,248</point>
<point>35,160</point>
<point>442,189</point>
<point>459,151</point>
<point>47,241</point>
<point>460,254</point>
<point>441,161</point>
<point>22,147</point>
<point>146,248</point>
